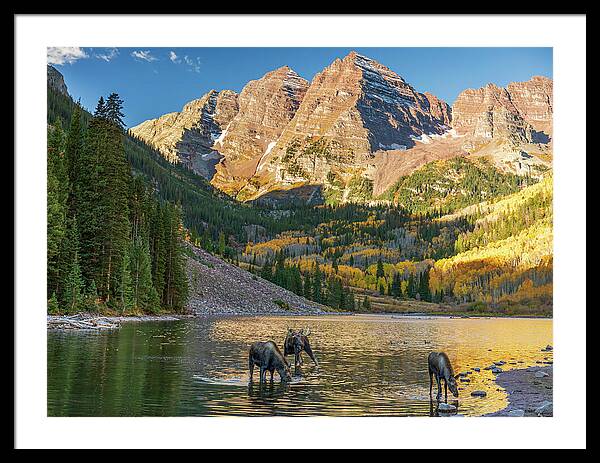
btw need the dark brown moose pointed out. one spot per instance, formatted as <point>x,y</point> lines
<point>439,365</point>
<point>295,342</point>
<point>269,358</point>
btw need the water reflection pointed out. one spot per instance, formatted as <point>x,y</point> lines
<point>368,365</point>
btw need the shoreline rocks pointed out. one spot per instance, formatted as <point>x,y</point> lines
<point>529,391</point>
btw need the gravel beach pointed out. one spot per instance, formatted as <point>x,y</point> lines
<point>529,391</point>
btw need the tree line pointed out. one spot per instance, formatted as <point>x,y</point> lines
<point>112,245</point>
<point>313,283</point>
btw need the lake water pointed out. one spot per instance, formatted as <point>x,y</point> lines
<point>368,365</point>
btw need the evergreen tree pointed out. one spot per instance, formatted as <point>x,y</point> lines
<point>53,307</point>
<point>176,289</point>
<point>424,286</point>
<point>395,289</point>
<point>317,294</point>
<point>144,295</point>
<point>102,206</point>
<point>125,287</point>
<point>411,289</point>
<point>73,155</point>
<point>308,290</point>
<point>334,293</point>
<point>296,281</point>
<point>73,291</point>
<point>100,111</point>
<point>380,272</point>
<point>158,247</point>
<point>113,110</point>
<point>56,207</point>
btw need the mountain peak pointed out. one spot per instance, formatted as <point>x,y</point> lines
<point>56,80</point>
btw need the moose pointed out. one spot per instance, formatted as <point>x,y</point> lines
<point>269,358</point>
<point>439,365</point>
<point>295,342</point>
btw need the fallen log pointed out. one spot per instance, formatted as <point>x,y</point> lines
<point>78,322</point>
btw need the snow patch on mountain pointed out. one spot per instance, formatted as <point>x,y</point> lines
<point>221,136</point>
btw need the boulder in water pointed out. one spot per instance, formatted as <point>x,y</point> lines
<point>544,409</point>
<point>446,408</point>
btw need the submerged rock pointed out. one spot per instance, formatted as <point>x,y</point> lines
<point>541,374</point>
<point>478,393</point>
<point>516,412</point>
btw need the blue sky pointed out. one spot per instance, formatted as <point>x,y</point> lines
<point>155,81</point>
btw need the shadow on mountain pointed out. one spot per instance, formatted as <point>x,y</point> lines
<point>540,137</point>
<point>195,151</point>
<point>376,116</point>
<point>305,195</point>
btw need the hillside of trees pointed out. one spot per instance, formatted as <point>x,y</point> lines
<point>454,183</point>
<point>112,245</point>
<point>456,232</point>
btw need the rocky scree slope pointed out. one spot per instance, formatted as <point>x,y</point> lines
<point>217,287</point>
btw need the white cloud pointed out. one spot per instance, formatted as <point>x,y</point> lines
<point>173,57</point>
<point>143,55</point>
<point>62,55</point>
<point>109,55</point>
<point>193,63</point>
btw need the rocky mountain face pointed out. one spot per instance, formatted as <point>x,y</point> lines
<point>487,113</point>
<point>266,106</point>
<point>356,123</point>
<point>353,108</point>
<point>533,100</point>
<point>512,125</point>
<point>188,136</point>
<point>56,80</point>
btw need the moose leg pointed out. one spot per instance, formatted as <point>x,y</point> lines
<point>439,388</point>
<point>446,390</point>
<point>271,371</point>
<point>310,353</point>
<point>263,372</point>
<point>430,382</point>
<point>251,368</point>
